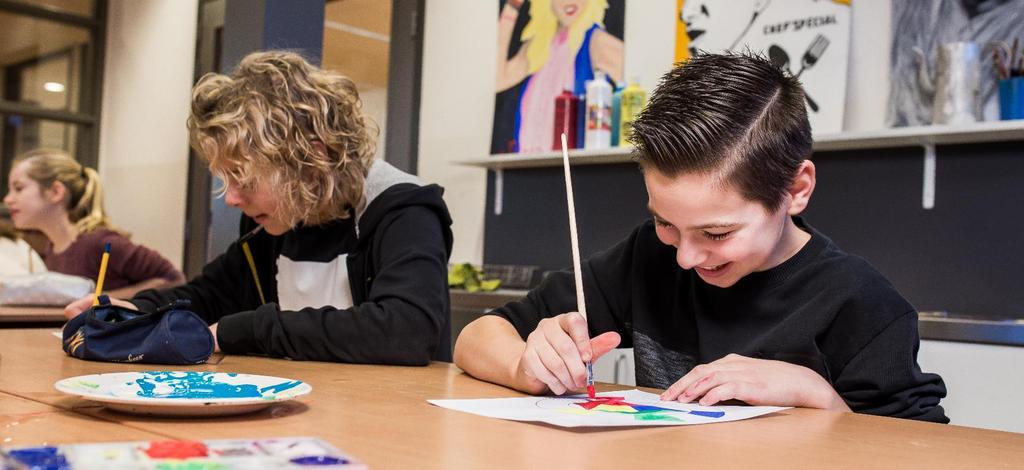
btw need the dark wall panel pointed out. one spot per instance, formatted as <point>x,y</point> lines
<point>533,228</point>
<point>964,256</point>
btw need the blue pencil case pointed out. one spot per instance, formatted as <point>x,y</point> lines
<point>171,335</point>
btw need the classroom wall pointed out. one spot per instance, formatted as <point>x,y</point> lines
<point>375,105</point>
<point>458,89</point>
<point>143,149</point>
<point>456,107</point>
<point>455,119</point>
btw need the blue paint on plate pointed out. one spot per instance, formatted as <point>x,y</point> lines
<point>278,388</point>
<point>192,385</point>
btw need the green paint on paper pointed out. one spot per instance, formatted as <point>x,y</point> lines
<point>655,417</point>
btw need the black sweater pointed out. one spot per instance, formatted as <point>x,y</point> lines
<point>371,290</point>
<point>822,309</point>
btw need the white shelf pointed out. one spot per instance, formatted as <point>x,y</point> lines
<point>505,161</point>
<point>994,131</point>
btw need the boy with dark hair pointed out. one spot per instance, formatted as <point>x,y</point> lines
<point>727,293</point>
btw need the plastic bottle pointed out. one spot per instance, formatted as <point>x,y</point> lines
<point>634,99</point>
<point>599,113</point>
<point>616,115</point>
<point>581,119</point>
<point>565,120</point>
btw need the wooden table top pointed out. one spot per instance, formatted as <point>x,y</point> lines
<point>379,414</point>
<point>29,423</point>
<point>26,313</point>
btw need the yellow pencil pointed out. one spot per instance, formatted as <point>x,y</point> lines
<point>103,273</point>
<point>252,262</point>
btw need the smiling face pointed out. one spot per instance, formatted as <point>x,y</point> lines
<point>567,11</point>
<point>716,231</point>
<point>30,205</point>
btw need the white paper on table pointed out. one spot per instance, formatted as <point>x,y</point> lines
<point>565,411</point>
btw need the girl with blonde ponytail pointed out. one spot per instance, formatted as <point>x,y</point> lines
<point>51,192</point>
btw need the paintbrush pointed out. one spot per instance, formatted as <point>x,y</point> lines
<point>574,239</point>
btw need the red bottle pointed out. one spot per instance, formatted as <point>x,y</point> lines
<point>565,120</point>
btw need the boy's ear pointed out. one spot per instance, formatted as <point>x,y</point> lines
<point>801,188</point>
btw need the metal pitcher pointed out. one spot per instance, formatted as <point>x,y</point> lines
<point>955,86</point>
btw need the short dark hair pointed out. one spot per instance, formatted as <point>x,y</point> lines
<point>732,115</point>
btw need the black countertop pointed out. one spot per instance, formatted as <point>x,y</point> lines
<point>940,326</point>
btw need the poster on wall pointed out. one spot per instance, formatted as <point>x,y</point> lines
<point>544,48</point>
<point>971,33</point>
<point>808,38</point>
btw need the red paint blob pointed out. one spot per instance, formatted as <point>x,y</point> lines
<point>590,391</point>
<point>176,449</point>
<point>598,401</point>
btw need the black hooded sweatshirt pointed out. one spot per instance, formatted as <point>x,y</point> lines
<point>823,309</point>
<point>368,289</point>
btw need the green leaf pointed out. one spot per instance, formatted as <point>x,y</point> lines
<point>490,284</point>
<point>456,278</point>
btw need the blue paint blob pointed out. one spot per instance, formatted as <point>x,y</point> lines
<point>278,388</point>
<point>194,385</point>
<point>318,460</point>
<point>642,408</point>
<point>708,414</point>
<point>41,458</point>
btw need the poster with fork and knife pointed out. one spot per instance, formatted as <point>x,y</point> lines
<point>809,39</point>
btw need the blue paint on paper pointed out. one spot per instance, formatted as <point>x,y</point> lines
<point>642,408</point>
<point>278,388</point>
<point>318,460</point>
<point>194,385</point>
<point>708,414</point>
<point>41,458</point>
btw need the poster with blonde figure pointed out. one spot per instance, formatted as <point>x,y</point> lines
<point>809,39</point>
<point>544,48</point>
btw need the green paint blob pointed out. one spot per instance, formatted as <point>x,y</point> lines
<point>191,465</point>
<point>655,417</point>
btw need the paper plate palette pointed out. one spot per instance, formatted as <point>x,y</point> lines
<point>232,454</point>
<point>184,393</point>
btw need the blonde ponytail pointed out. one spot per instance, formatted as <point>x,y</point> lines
<point>84,202</point>
<point>88,213</point>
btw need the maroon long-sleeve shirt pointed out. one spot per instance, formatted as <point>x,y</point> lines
<point>129,263</point>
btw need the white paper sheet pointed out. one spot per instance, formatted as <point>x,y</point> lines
<point>646,410</point>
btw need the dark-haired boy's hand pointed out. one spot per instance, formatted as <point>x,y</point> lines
<point>757,382</point>
<point>556,351</point>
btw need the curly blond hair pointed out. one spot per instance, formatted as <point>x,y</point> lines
<point>279,122</point>
<point>84,201</point>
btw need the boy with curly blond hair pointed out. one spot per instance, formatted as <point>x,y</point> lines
<point>349,254</point>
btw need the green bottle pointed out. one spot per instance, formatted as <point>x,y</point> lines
<point>634,99</point>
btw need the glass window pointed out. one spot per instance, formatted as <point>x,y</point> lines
<point>42,61</point>
<point>21,134</point>
<point>50,61</point>
<point>75,7</point>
